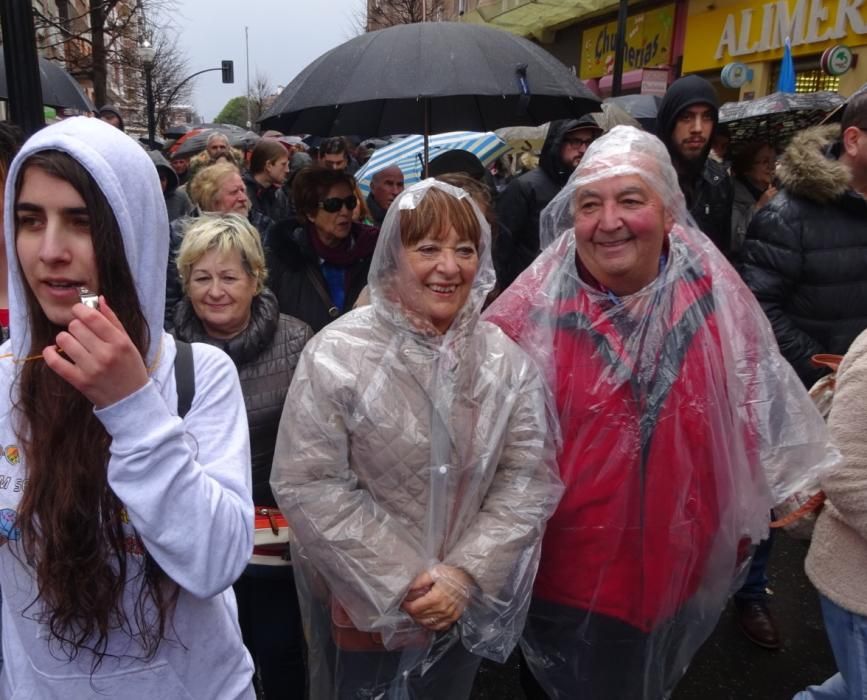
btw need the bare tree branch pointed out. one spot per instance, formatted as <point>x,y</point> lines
<point>260,94</point>
<point>365,16</point>
<point>97,34</point>
<point>358,19</point>
<point>171,68</point>
<point>392,12</point>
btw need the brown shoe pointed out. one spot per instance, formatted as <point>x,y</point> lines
<point>757,624</point>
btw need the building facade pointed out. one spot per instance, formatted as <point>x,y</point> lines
<point>753,34</point>
<point>62,35</point>
<point>667,39</point>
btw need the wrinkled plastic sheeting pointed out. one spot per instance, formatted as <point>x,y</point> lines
<point>401,450</point>
<point>682,426</point>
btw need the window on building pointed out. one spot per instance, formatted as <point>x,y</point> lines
<point>809,77</point>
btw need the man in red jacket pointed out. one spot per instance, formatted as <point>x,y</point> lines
<point>672,400</point>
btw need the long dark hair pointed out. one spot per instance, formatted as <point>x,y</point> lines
<point>71,522</point>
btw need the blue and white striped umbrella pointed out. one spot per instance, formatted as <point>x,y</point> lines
<point>408,153</point>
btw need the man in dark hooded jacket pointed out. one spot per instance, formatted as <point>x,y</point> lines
<point>178,204</point>
<point>112,115</point>
<point>687,119</point>
<point>523,200</point>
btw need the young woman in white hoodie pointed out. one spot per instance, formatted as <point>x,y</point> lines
<point>122,526</point>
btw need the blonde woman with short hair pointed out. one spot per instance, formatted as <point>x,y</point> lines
<point>221,266</point>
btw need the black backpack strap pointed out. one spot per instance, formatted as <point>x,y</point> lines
<point>185,376</point>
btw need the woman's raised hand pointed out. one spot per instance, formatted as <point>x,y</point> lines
<point>103,363</point>
<point>437,598</point>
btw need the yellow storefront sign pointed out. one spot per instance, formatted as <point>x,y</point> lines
<point>754,32</point>
<point>648,43</point>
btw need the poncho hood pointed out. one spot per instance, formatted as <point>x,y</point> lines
<point>392,286</point>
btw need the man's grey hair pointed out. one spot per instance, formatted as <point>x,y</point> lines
<point>214,135</point>
<point>377,176</point>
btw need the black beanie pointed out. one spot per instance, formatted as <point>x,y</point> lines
<point>457,161</point>
<point>684,92</point>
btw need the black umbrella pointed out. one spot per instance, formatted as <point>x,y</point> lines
<point>222,127</point>
<point>175,131</point>
<point>59,88</point>
<point>642,108</point>
<point>774,119</point>
<point>427,78</point>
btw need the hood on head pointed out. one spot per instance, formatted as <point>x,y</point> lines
<point>111,109</point>
<point>808,167</point>
<point>457,161</point>
<point>549,158</point>
<point>165,168</point>
<point>300,160</point>
<point>389,260</point>
<point>682,93</point>
<point>129,182</point>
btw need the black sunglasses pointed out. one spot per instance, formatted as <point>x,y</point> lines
<point>333,204</point>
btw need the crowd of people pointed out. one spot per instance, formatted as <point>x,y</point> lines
<point>265,436</point>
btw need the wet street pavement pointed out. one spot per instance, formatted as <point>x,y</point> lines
<point>729,666</point>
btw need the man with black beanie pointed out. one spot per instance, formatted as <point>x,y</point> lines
<point>687,119</point>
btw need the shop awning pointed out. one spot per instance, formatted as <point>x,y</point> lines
<point>535,18</point>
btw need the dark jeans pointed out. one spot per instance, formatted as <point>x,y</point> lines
<point>271,627</point>
<point>755,586</point>
<point>579,654</point>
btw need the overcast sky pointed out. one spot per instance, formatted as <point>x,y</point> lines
<point>285,36</point>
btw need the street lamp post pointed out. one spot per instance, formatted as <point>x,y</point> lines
<point>619,48</point>
<point>146,54</point>
<point>22,65</point>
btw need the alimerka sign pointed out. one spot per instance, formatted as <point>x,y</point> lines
<point>752,32</point>
<point>648,43</point>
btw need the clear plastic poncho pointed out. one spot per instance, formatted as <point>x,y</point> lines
<point>682,426</point>
<point>401,451</point>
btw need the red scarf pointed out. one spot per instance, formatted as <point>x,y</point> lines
<point>359,244</point>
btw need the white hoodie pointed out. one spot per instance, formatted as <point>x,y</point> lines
<point>185,484</point>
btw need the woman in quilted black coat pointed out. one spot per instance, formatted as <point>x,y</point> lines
<point>226,304</point>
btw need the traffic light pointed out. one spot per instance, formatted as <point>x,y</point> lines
<point>228,68</point>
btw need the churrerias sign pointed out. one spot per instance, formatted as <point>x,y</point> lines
<point>758,31</point>
<point>648,43</point>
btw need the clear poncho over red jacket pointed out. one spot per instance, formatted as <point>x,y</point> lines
<point>682,424</point>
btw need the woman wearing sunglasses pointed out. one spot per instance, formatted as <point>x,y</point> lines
<point>416,468</point>
<point>318,264</point>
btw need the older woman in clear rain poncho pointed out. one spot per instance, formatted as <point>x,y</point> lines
<point>415,463</point>
<point>682,425</point>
